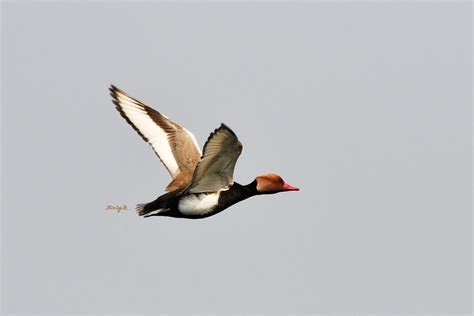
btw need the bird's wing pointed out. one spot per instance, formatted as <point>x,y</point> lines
<point>173,144</point>
<point>215,170</point>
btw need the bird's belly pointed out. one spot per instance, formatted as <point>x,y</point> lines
<point>198,204</point>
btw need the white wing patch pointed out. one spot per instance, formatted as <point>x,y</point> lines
<point>157,137</point>
<point>194,140</point>
<point>198,204</point>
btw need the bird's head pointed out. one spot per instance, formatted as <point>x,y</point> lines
<point>272,183</point>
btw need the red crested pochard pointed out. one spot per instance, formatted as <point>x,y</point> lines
<point>202,183</point>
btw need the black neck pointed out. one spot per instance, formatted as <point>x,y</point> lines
<point>245,191</point>
<point>237,193</point>
<point>251,188</point>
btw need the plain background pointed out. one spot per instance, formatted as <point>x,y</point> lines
<point>365,106</point>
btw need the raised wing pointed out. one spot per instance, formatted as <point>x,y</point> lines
<point>175,146</point>
<point>215,170</point>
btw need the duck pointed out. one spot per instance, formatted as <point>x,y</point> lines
<point>202,183</point>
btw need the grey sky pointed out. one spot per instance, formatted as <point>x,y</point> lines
<point>364,106</point>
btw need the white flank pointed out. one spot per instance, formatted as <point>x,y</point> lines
<point>157,138</point>
<point>198,204</point>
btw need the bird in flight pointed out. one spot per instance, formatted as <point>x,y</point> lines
<point>202,183</point>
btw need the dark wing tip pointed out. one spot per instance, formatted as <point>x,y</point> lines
<point>113,91</point>
<point>221,128</point>
<point>225,127</point>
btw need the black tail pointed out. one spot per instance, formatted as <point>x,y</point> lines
<point>149,209</point>
<point>157,207</point>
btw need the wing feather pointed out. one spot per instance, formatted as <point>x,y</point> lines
<point>215,169</point>
<point>174,145</point>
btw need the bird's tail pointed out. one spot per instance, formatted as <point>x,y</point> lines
<point>141,209</point>
<point>157,207</point>
<point>147,210</point>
